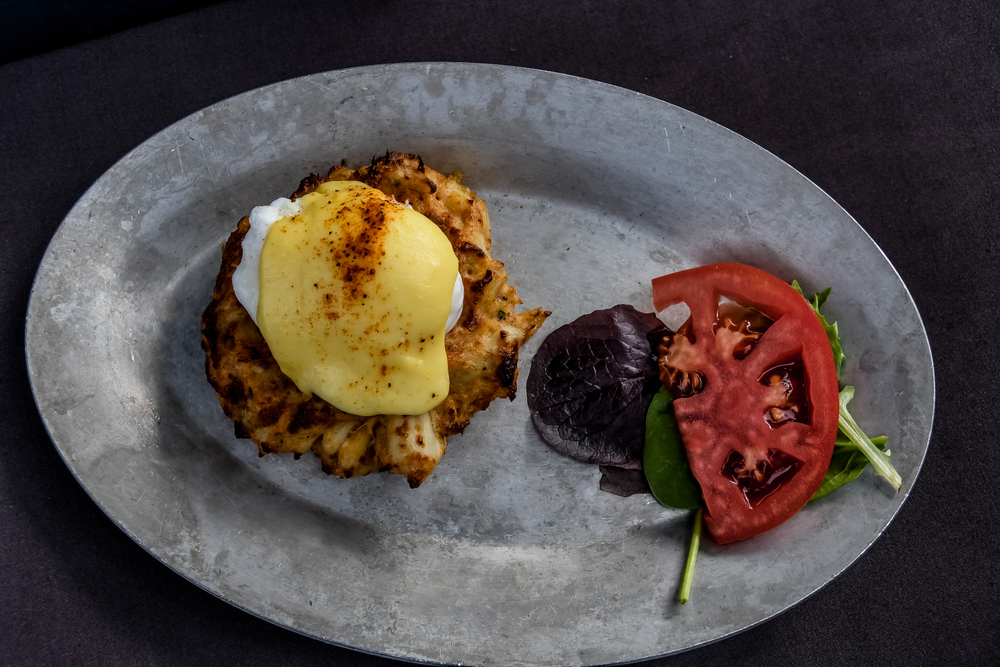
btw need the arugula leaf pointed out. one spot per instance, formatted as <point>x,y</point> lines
<point>847,463</point>
<point>844,444</point>
<point>664,460</point>
<point>847,426</point>
<point>832,331</point>
<point>879,459</point>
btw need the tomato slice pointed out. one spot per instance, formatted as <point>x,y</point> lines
<point>756,394</point>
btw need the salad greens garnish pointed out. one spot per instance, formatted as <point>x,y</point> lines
<point>594,379</point>
<point>665,461</point>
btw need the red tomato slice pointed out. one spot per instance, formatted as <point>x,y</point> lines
<point>757,394</point>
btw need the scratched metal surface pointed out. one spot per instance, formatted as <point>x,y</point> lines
<point>508,554</point>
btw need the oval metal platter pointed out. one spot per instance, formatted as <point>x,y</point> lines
<point>509,554</point>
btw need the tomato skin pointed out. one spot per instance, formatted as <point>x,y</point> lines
<point>725,421</point>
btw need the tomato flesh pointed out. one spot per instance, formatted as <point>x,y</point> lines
<point>756,394</point>
<point>764,478</point>
<point>786,396</point>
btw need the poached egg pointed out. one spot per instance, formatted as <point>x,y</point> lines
<point>354,294</point>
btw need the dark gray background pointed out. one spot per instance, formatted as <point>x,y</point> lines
<point>890,107</point>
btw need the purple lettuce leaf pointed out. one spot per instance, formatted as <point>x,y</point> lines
<point>590,385</point>
<point>623,481</point>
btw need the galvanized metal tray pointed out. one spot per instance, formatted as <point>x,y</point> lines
<point>508,554</point>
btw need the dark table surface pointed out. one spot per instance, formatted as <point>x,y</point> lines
<point>890,107</point>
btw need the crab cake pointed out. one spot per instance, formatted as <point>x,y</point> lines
<point>482,349</point>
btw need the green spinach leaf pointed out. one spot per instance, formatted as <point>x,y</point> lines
<point>664,460</point>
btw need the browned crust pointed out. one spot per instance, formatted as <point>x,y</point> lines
<point>482,349</point>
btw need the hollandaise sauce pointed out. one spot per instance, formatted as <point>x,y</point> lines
<point>355,294</point>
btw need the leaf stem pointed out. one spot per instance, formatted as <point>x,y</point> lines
<point>880,460</point>
<point>688,576</point>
